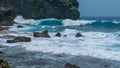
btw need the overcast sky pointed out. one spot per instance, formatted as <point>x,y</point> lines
<point>99,7</point>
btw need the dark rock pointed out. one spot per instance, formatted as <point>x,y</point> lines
<point>3,28</point>
<point>4,64</point>
<point>19,26</point>
<point>41,34</point>
<point>58,34</point>
<point>107,66</point>
<point>40,9</point>
<point>78,35</point>
<point>6,16</point>
<point>68,65</point>
<point>65,35</point>
<point>1,52</point>
<point>19,39</point>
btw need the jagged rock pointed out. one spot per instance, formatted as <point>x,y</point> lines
<point>58,34</point>
<point>4,64</point>
<point>19,26</point>
<point>19,39</point>
<point>78,35</point>
<point>6,16</point>
<point>41,34</point>
<point>40,9</point>
<point>68,65</point>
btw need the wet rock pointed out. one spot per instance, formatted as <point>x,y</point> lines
<point>78,35</point>
<point>107,66</point>
<point>4,64</point>
<point>65,35</point>
<point>19,39</point>
<point>19,26</point>
<point>1,52</point>
<point>58,34</point>
<point>68,65</point>
<point>41,34</point>
<point>3,28</point>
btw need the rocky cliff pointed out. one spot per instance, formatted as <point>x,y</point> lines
<point>38,9</point>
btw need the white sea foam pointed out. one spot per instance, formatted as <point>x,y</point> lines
<point>69,22</point>
<point>116,22</point>
<point>21,20</point>
<point>95,44</point>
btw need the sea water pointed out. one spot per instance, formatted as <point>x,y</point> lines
<point>101,36</point>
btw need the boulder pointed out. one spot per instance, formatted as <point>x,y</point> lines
<point>19,39</point>
<point>58,34</point>
<point>4,64</point>
<point>41,34</point>
<point>68,65</point>
<point>78,35</point>
<point>20,26</point>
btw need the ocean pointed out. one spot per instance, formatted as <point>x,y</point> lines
<point>101,39</point>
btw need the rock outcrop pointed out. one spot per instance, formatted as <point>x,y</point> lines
<point>38,9</point>
<point>78,35</point>
<point>6,16</point>
<point>19,39</point>
<point>4,64</point>
<point>58,34</point>
<point>41,34</point>
<point>68,65</point>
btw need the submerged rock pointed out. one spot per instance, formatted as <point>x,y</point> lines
<point>39,9</point>
<point>41,34</point>
<point>19,39</point>
<point>68,65</point>
<point>78,35</point>
<point>4,64</point>
<point>65,35</point>
<point>58,34</point>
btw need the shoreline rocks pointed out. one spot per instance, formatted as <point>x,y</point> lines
<point>20,26</point>
<point>78,35</point>
<point>68,65</point>
<point>41,34</point>
<point>58,34</point>
<point>19,39</point>
<point>4,64</point>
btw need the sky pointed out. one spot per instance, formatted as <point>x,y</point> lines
<point>99,7</point>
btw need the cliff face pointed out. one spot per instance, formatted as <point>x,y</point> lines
<point>38,9</point>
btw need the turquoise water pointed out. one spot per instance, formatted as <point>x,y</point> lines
<point>55,25</point>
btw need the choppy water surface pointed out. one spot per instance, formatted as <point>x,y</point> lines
<point>101,40</point>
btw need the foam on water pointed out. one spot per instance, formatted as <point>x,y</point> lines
<point>69,22</point>
<point>21,20</point>
<point>95,44</point>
